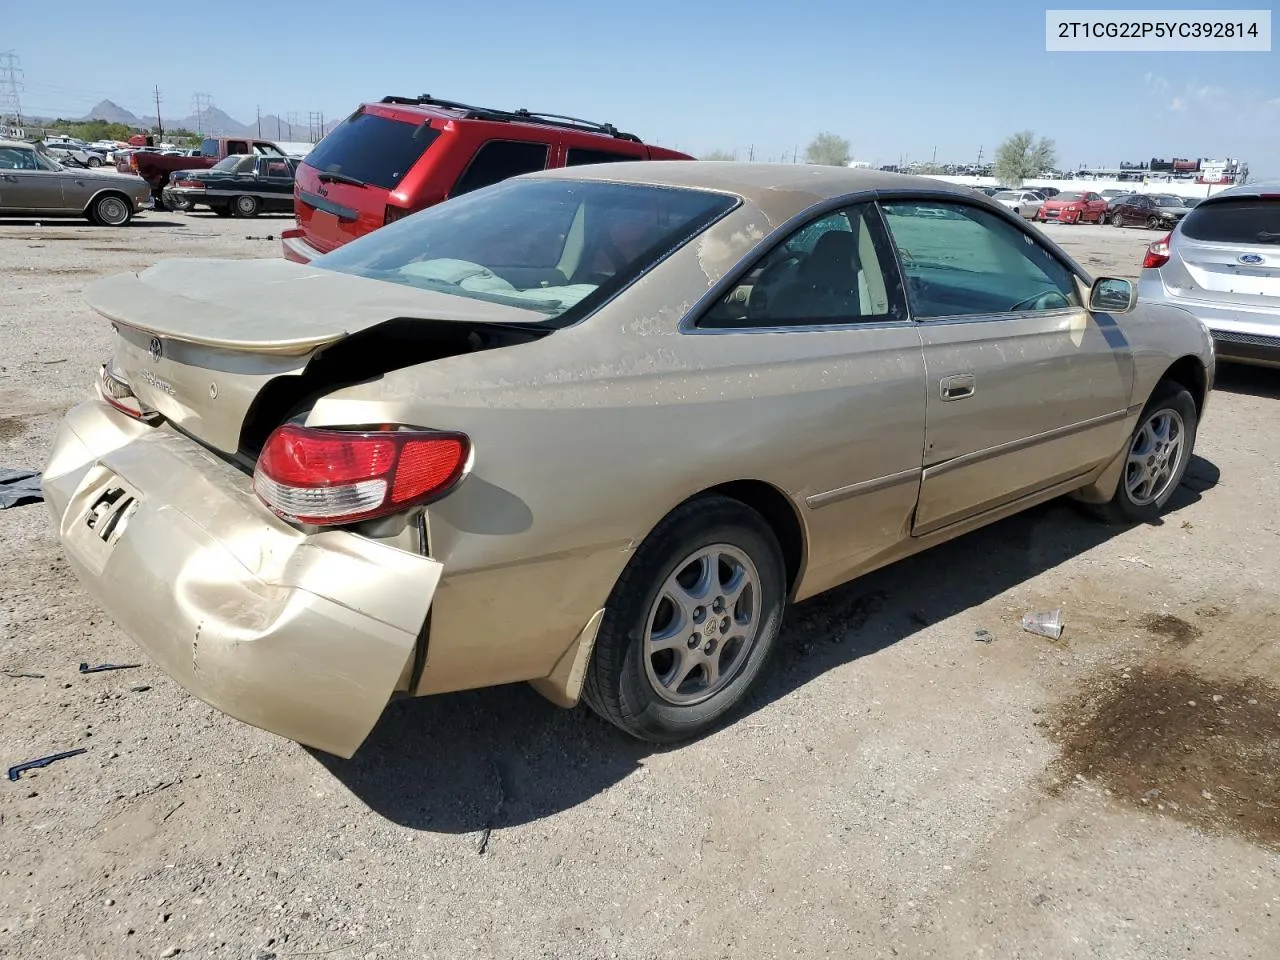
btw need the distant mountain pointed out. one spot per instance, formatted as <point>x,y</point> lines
<point>113,113</point>
<point>212,122</point>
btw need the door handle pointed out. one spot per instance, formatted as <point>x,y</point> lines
<point>957,387</point>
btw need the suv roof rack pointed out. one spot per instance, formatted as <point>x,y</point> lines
<point>470,112</point>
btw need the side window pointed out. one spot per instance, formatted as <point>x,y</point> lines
<point>11,159</point>
<point>276,168</point>
<point>960,261</point>
<point>830,271</point>
<point>499,159</point>
<point>237,146</point>
<point>580,156</point>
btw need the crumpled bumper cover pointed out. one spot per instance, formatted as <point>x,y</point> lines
<point>304,635</point>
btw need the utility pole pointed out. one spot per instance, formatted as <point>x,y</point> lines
<point>293,122</point>
<point>159,122</point>
<point>935,155</point>
<point>979,156</point>
<point>751,154</point>
<point>10,85</point>
<point>278,137</point>
<point>259,109</point>
<point>795,152</point>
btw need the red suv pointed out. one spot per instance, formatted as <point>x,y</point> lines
<point>395,157</point>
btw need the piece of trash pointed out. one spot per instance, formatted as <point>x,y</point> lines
<point>17,770</point>
<point>49,363</point>
<point>85,668</point>
<point>140,688</point>
<point>18,487</point>
<point>983,636</point>
<point>1044,624</point>
<point>1137,560</point>
<point>23,676</point>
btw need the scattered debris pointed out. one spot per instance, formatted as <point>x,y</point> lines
<point>49,363</point>
<point>18,487</point>
<point>1044,624</point>
<point>1137,560</point>
<point>983,636</point>
<point>173,811</point>
<point>17,770</point>
<point>85,668</point>
<point>17,675</point>
<point>139,688</point>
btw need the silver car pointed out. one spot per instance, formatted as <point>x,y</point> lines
<point>33,184</point>
<point>1222,264</point>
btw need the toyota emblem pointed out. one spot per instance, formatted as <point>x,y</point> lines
<point>156,349</point>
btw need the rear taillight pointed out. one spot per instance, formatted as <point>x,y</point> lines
<point>116,391</point>
<point>1157,253</point>
<point>393,214</point>
<point>327,477</point>
<point>192,184</point>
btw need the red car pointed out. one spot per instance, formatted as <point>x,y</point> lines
<point>394,157</point>
<point>1076,207</point>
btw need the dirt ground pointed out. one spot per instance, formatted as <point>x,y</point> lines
<point>903,786</point>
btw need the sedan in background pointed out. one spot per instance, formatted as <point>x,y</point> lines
<point>242,185</point>
<point>74,155</point>
<point>590,428</point>
<point>1025,203</point>
<point>1153,211</point>
<point>33,184</point>
<point>1222,264</point>
<point>1074,207</point>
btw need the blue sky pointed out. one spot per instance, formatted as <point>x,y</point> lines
<point>896,79</point>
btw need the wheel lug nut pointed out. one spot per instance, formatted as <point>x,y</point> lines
<point>694,641</point>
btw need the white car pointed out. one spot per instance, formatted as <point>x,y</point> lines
<point>1025,203</point>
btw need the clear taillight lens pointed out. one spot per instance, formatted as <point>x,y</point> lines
<point>115,390</point>
<point>328,477</point>
<point>1157,253</point>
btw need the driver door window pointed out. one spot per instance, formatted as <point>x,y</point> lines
<point>963,261</point>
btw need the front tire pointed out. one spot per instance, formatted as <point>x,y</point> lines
<point>246,206</point>
<point>111,210</point>
<point>1153,223</point>
<point>94,162</point>
<point>1156,457</point>
<point>691,623</point>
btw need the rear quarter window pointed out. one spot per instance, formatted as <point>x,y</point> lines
<point>375,150</point>
<point>581,157</point>
<point>500,160</point>
<point>1247,220</point>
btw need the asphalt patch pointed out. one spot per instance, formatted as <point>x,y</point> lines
<point>1177,744</point>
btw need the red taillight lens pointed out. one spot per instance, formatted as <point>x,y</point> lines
<point>331,477</point>
<point>393,214</point>
<point>115,389</point>
<point>195,184</point>
<point>1157,253</point>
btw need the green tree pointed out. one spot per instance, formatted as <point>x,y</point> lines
<point>1022,156</point>
<point>719,155</point>
<point>829,149</point>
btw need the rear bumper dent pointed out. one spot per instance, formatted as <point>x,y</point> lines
<point>305,636</point>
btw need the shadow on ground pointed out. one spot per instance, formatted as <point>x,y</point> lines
<point>1249,381</point>
<point>504,756</point>
<point>45,223</point>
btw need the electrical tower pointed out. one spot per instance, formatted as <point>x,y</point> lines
<point>315,121</point>
<point>201,102</point>
<point>159,122</point>
<point>10,85</point>
<point>292,119</point>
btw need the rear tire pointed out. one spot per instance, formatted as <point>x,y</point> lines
<point>690,624</point>
<point>1156,457</point>
<point>94,162</point>
<point>1153,223</point>
<point>246,206</point>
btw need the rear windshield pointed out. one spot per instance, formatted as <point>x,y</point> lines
<point>1252,220</point>
<point>372,149</point>
<point>557,247</point>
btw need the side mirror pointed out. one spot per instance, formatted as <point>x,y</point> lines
<point>1112,295</point>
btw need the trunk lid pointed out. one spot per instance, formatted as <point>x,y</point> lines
<point>227,349</point>
<point>1219,256</point>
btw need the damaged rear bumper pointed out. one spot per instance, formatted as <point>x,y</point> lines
<point>304,635</point>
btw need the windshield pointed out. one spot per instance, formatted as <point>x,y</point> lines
<point>1007,195</point>
<point>1168,202</point>
<point>1068,196</point>
<point>545,245</point>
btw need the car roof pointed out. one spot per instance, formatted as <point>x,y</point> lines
<point>17,143</point>
<point>1246,190</point>
<point>756,182</point>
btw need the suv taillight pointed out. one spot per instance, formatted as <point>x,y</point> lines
<point>1157,253</point>
<point>326,477</point>
<point>394,213</point>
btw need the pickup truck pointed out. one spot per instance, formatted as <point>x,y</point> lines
<point>155,168</point>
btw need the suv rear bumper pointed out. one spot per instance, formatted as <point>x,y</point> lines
<point>1243,334</point>
<point>296,247</point>
<point>304,635</point>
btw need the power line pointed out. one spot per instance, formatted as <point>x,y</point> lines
<point>202,102</point>
<point>10,85</point>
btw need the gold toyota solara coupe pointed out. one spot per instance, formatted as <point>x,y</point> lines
<point>593,428</point>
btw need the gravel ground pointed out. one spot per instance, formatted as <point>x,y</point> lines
<point>898,788</point>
